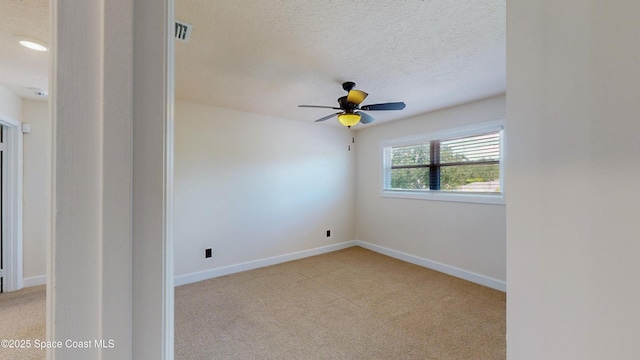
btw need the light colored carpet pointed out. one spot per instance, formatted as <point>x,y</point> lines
<point>349,304</point>
<point>22,317</point>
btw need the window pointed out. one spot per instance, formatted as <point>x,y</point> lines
<point>455,165</point>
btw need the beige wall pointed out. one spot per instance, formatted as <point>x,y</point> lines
<point>10,104</point>
<point>36,191</point>
<point>316,199</point>
<point>252,186</point>
<point>467,236</point>
<point>573,235</point>
<point>36,206</point>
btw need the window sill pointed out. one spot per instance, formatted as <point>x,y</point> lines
<point>446,196</point>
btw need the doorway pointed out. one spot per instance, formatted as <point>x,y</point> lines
<point>10,205</point>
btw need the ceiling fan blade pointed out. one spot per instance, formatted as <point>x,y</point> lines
<point>364,117</point>
<point>384,106</point>
<point>356,96</point>
<point>327,117</point>
<point>320,107</point>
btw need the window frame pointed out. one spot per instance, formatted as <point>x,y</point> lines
<point>442,135</point>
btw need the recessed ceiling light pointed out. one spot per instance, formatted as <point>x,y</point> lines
<point>33,44</point>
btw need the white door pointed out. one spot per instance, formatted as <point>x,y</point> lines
<point>10,205</point>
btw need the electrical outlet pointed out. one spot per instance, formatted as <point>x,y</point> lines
<point>208,253</point>
<point>328,233</point>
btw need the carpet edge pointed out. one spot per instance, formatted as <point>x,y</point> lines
<point>255,264</point>
<point>437,266</point>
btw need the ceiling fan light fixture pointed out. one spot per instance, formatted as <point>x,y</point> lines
<point>350,106</point>
<point>348,119</point>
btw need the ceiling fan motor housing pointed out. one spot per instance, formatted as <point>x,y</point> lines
<point>345,105</point>
<point>347,86</point>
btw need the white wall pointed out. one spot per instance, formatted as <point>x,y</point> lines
<point>252,186</point>
<point>110,254</point>
<point>467,236</point>
<point>573,235</point>
<point>36,178</point>
<point>10,104</point>
<point>36,190</point>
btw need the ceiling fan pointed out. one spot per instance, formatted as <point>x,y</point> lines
<point>351,111</point>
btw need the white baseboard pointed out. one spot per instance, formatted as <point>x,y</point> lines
<point>437,266</point>
<point>255,264</point>
<point>34,281</point>
<point>250,265</point>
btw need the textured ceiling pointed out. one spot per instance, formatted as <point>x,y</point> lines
<point>269,56</point>
<point>20,68</point>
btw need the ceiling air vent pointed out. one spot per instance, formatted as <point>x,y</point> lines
<point>183,31</point>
